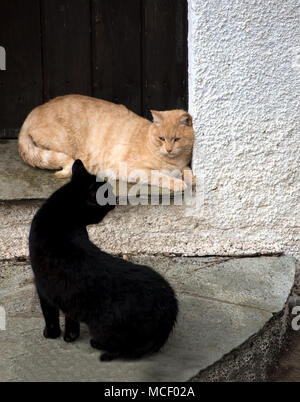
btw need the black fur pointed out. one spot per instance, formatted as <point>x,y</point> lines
<point>130,309</point>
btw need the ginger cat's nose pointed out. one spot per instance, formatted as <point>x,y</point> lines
<point>169,150</point>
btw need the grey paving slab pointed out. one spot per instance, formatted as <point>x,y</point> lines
<point>21,181</point>
<point>204,333</point>
<point>256,282</point>
<point>207,328</point>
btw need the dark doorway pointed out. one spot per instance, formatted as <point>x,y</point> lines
<point>132,52</point>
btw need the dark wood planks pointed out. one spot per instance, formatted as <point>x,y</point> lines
<point>117,51</point>
<point>127,51</point>
<point>66,47</point>
<point>164,55</point>
<point>21,83</point>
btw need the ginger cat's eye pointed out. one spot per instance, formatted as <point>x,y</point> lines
<point>176,139</point>
<point>162,138</point>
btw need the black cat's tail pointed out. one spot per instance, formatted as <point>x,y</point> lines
<point>149,348</point>
<point>109,356</point>
<point>163,332</point>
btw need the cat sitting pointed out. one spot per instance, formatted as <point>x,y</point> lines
<point>129,309</point>
<point>106,136</point>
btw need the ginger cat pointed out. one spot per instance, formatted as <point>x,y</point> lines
<point>103,135</point>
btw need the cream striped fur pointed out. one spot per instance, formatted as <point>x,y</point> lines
<point>104,135</point>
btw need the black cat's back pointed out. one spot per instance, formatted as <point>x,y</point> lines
<point>130,309</point>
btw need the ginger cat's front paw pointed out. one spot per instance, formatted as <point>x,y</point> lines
<point>177,185</point>
<point>188,177</point>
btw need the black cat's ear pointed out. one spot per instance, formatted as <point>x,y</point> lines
<point>79,172</point>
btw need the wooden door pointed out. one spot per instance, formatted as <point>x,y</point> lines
<point>132,52</point>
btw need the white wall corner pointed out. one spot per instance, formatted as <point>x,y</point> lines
<point>244,64</point>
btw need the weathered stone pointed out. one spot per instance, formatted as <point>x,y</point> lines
<point>240,281</point>
<point>20,181</point>
<point>208,327</point>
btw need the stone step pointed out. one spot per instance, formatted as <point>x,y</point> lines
<point>232,325</point>
<point>19,181</point>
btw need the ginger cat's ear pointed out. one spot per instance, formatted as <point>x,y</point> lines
<point>157,116</point>
<point>186,120</point>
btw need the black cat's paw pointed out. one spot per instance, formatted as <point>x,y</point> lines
<point>71,336</point>
<point>51,333</point>
<point>95,344</point>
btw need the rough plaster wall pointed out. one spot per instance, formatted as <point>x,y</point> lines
<point>244,63</point>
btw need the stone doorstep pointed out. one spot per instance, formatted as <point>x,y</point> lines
<point>19,181</point>
<point>232,324</point>
<point>138,229</point>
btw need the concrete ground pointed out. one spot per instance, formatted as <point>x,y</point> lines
<point>223,303</point>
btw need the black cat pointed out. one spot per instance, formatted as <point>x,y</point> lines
<point>130,309</point>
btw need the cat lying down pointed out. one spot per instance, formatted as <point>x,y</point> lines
<point>129,309</point>
<point>105,136</point>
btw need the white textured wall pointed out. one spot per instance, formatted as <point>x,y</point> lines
<point>244,66</point>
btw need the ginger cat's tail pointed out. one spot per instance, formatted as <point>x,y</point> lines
<point>43,158</point>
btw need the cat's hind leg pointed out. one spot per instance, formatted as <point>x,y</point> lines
<point>66,170</point>
<point>105,356</point>
<point>105,339</point>
<point>51,316</point>
<point>187,176</point>
<point>72,329</point>
<point>36,147</point>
